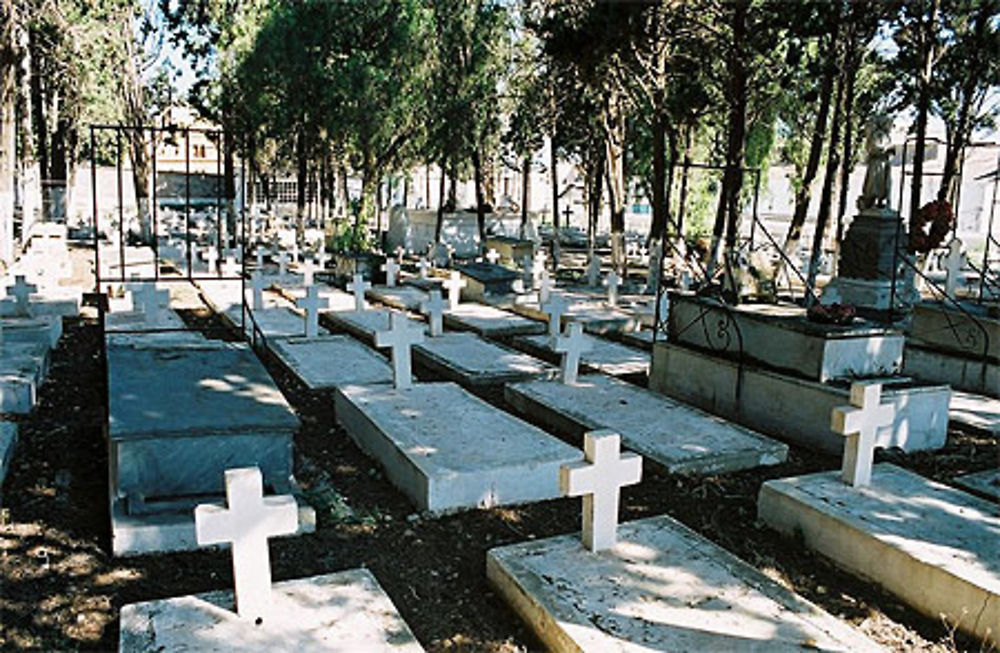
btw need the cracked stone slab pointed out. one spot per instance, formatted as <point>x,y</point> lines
<point>935,547</point>
<point>662,587</point>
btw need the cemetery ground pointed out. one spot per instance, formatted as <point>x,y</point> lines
<point>61,590</point>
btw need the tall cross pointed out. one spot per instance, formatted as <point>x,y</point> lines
<point>612,282</point>
<point>454,285</point>
<point>312,302</point>
<point>282,263</point>
<point>212,258</point>
<point>21,292</point>
<point>246,523</point>
<point>358,287</point>
<point>493,256</point>
<point>567,213</point>
<point>423,266</point>
<point>593,270</point>
<point>434,307</point>
<point>545,289</point>
<point>953,266</point>
<point>257,287</point>
<point>571,346</point>
<point>555,308</point>
<point>860,422</point>
<point>391,269</point>
<point>600,480</point>
<point>399,338</point>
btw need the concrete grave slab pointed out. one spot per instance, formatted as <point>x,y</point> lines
<point>935,547</point>
<point>986,483</point>
<point>793,408</point>
<point>23,367</point>
<point>587,308</point>
<point>180,415</point>
<point>683,439</point>
<point>448,450</point>
<point>662,587</point>
<point>44,330</point>
<point>490,321</point>
<point>8,440</point>
<point>976,411</point>
<point>331,361</point>
<point>280,321</point>
<point>971,373</point>
<point>405,298</point>
<point>65,303</point>
<point>363,325</point>
<point>603,355</point>
<point>473,362</point>
<point>345,611</point>
<point>484,278</point>
<point>640,338</point>
<point>336,299</point>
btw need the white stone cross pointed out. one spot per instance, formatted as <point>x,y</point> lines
<point>545,289</point>
<point>860,422</point>
<point>259,252</point>
<point>312,302</point>
<point>21,292</point>
<point>424,266</point>
<point>454,285</point>
<point>282,263</point>
<point>612,282</point>
<point>246,523</point>
<point>600,480</point>
<point>358,287</point>
<point>212,258</point>
<point>308,272</point>
<point>148,299</point>
<point>400,253</point>
<point>594,270</point>
<point>399,338</point>
<point>571,346</point>
<point>295,251</point>
<point>231,268</point>
<point>433,308</point>
<point>322,257</point>
<point>685,280</point>
<point>257,287</point>
<point>555,308</point>
<point>391,269</point>
<point>953,266</point>
<point>493,256</point>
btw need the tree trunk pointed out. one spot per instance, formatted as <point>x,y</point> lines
<point>803,195</point>
<point>614,138</point>
<point>477,169</point>
<point>851,73</point>
<point>440,212</point>
<point>8,122</point>
<point>826,195</point>
<point>229,183</point>
<point>927,35</point>
<point>685,174</point>
<point>135,119</point>
<point>525,192</point>
<point>659,223</point>
<point>301,178</point>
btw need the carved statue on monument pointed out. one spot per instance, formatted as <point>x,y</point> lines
<point>878,182</point>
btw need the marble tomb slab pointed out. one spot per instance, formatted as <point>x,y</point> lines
<point>363,325</point>
<point>603,355</point>
<point>471,361</point>
<point>329,362</point>
<point>405,297</point>
<point>490,321</point>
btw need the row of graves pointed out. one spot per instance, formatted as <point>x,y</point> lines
<point>38,294</point>
<point>446,373</point>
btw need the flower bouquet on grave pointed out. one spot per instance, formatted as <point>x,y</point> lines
<point>837,314</point>
<point>930,226</point>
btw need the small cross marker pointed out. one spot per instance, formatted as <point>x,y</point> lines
<point>212,259</point>
<point>594,270</point>
<point>231,268</point>
<point>423,266</point>
<point>399,338</point>
<point>545,289</point>
<point>391,269</point>
<point>259,253</point>
<point>434,307</point>
<point>257,287</point>
<point>148,299</point>
<point>454,286</point>
<point>555,308</point>
<point>312,302</point>
<point>246,523</point>
<point>21,292</point>
<point>358,287</point>
<point>612,282</point>
<point>322,257</point>
<point>493,256</point>
<point>860,422</point>
<point>571,346</point>
<point>308,272</point>
<point>953,266</point>
<point>282,263</point>
<point>600,480</point>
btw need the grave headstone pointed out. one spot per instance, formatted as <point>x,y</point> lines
<point>245,524</point>
<point>555,308</point>
<point>599,480</point>
<point>391,269</point>
<point>312,302</point>
<point>571,346</point>
<point>358,286</point>
<point>859,422</point>
<point>399,338</point>
<point>454,285</point>
<point>433,308</point>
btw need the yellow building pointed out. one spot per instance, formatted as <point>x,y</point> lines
<point>200,142</point>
